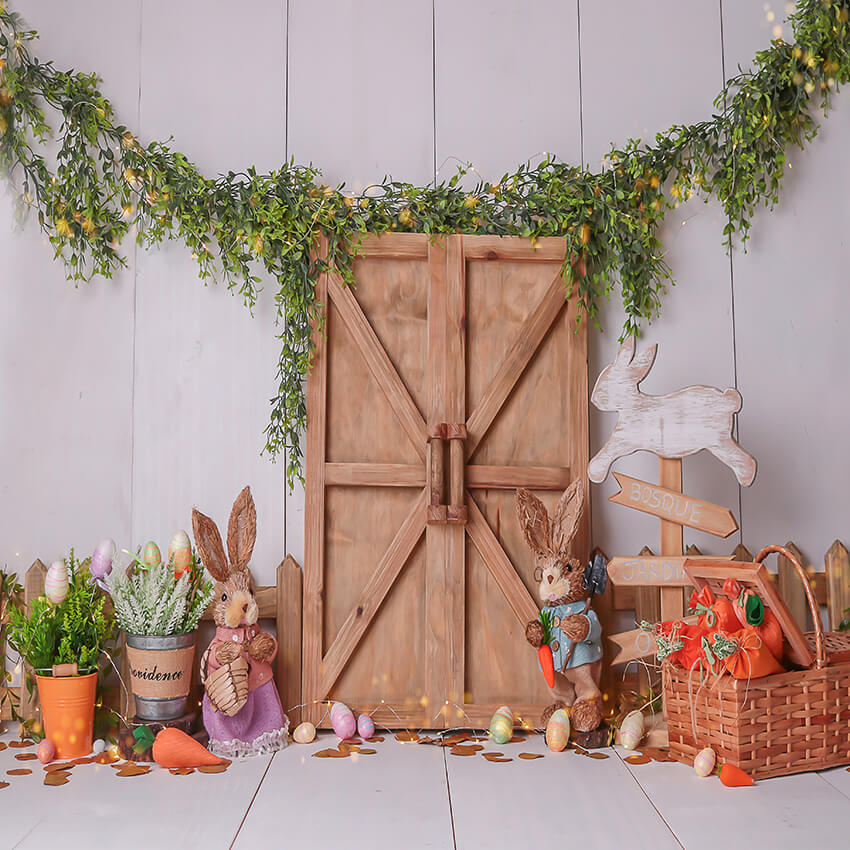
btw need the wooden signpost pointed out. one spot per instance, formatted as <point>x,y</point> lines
<point>677,507</point>
<point>671,426</point>
<point>660,571</point>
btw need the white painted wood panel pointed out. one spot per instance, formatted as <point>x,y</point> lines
<point>66,353</point>
<point>205,368</point>
<point>394,798</point>
<point>360,108</point>
<point>792,299</point>
<point>534,796</point>
<point>360,89</point>
<point>645,66</point>
<point>506,85</point>
<point>788,812</point>
<point>157,810</point>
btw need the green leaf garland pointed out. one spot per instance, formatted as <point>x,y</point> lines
<point>103,180</point>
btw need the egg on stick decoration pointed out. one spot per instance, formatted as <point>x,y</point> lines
<point>56,582</point>
<point>180,552</point>
<point>102,558</point>
<point>151,556</point>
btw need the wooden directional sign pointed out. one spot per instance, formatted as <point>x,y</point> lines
<point>629,646</point>
<point>673,507</point>
<point>653,571</point>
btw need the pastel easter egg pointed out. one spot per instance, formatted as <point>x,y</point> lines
<point>101,559</point>
<point>704,762</point>
<point>46,752</point>
<point>502,725</point>
<point>558,730</point>
<point>180,552</point>
<point>56,582</point>
<point>98,746</point>
<point>151,556</point>
<point>342,721</point>
<point>631,730</point>
<point>304,733</point>
<point>365,726</point>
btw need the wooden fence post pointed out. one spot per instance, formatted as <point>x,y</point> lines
<point>837,565</point>
<point>741,553</point>
<point>33,588</point>
<point>647,607</point>
<point>289,604</point>
<point>791,588</point>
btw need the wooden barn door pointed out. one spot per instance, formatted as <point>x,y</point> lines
<point>451,375</point>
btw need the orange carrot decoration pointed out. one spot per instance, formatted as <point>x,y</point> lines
<point>174,748</point>
<point>544,651</point>
<point>733,776</point>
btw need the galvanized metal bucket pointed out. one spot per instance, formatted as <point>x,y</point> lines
<point>161,673</point>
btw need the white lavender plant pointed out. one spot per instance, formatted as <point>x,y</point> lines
<point>149,600</point>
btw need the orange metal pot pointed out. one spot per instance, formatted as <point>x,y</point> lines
<point>67,709</point>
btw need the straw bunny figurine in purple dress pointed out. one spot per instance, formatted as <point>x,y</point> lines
<point>255,724</point>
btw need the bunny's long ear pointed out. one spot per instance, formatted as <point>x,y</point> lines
<point>209,544</point>
<point>534,520</point>
<point>567,516</point>
<point>242,530</point>
<point>642,363</point>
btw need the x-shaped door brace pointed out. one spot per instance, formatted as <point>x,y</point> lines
<point>499,564</point>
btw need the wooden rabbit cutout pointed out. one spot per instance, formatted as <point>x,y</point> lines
<point>675,425</point>
<point>574,633</point>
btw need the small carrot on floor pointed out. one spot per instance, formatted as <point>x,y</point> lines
<point>733,776</point>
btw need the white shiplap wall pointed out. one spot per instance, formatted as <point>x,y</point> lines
<point>126,402</point>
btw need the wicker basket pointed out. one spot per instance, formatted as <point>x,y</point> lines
<point>784,723</point>
<point>227,686</point>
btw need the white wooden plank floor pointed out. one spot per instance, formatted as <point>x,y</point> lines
<point>410,796</point>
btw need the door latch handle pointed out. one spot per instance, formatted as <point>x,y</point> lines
<point>439,510</point>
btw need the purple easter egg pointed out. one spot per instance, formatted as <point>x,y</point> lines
<point>101,559</point>
<point>342,721</point>
<point>365,726</point>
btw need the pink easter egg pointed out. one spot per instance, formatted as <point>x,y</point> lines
<point>342,721</point>
<point>365,726</point>
<point>46,752</point>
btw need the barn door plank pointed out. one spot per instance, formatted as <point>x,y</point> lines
<point>374,475</point>
<point>511,477</point>
<point>524,348</point>
<point>437,563</point>
<point>373,595</point>
<point>314,507</point>
<point>379,364</point>
<point>499,565</point>
<point>456,414</point>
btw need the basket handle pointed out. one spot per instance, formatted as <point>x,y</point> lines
<point>820,646</point>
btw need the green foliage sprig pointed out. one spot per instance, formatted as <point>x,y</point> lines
<point>104,181</point>
<point>76,630</point>
<point>10,597</point>
<point>151,601</point>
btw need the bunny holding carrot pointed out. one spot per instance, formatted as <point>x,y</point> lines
<point>568,625</point>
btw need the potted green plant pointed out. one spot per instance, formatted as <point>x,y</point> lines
<point>158,608</point>
<point>61,637</point>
